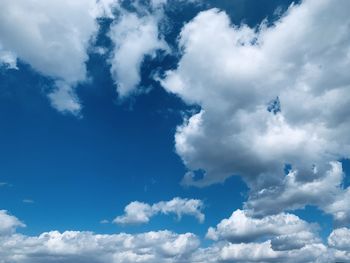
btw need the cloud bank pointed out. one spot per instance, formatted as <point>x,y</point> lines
<point>238,241</point>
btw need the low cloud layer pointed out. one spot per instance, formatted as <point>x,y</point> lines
<point>166,246</point>
<point>53,40</point>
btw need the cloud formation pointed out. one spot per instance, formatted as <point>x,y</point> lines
<point>141,213</point>
<point>74,246</point>
<point>339,241</point>
<point>286,231</point>
<point>134,37</point>
<point>167,246</point>
<point>234,73</point>
<point>8,223</point>
<point>271,97</point>
<point>53,40</point>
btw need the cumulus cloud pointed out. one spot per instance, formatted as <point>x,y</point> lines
<point>64,99</point>
<point>287,231</point>
<point>8,223</point>
<point>75,246</point>
<point>339,241</point>
<point>235,72</point>
<point>140,213</point>
<point>339,207</point>
<point>134,37</point>
<point>262,252</point>
<point>52,37</point>
<point>277,238</point>
<point>55,38</point>
<point>291,194</point>
<point>136,34</point>
<point>166,246</point>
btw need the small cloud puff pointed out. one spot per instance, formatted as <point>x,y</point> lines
<point>140,213</point>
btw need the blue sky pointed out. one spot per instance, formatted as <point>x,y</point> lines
<point>140,116</point>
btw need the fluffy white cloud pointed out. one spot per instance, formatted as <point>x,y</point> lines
<point>339,207</point>
<point>135,213</point>
<point>106,8</point>
<point>64,98</point>
<point>339,241</point>
<point>73,246</point>
<point>134,37</point>
<point>53,37</point>
<point>262,252</point>
<point>169,247</point>
<point>286,231</point>
<point>252,252</point>
<point>8,223</point>
<point>140,213</point>
<point>270,96</point>
<point>292,194</point>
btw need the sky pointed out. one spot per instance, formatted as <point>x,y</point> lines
<point>176,131</point>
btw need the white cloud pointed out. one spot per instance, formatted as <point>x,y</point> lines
<point>64,99</point>
<point>8,223</point>
<point>135,213</point>
<point>252,252</point>
<point>106,8</point>
<point>7,59</point>
<point>134,37</point>
<point>53,37</point>
<point>339,241</point>
<point>166,246</point>
<point>140,213</point>
<point>156,4</point>
<point>234,72</point>
<point>286,231</point>
<point>339,207</point>
<point>74,246</point>
<point>261,252</point>
<point>292,194</point>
